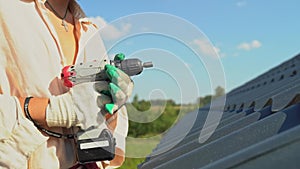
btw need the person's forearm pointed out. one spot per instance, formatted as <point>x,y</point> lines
<point>117,161</point>
<point>37,109</point>
<point>119,158</point>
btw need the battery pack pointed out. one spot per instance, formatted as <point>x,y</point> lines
<point>95,149</point>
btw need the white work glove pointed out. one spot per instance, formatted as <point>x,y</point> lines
<point>120,86</point>
<point>82,104</point>
<point>79,107</point>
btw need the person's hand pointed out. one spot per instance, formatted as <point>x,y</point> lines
<point>82,106</point>
<point>120,86</point>
<point>79,107</point>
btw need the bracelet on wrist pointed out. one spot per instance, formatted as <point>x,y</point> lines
<point>48,132</point>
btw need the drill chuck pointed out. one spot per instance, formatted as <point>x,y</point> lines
<point>131,66</point>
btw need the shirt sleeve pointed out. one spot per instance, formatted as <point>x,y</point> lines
<point>121,130</point>
<point>92,45</point>
<point>18,136</point>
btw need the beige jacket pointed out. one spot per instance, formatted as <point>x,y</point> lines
<point>31,60</point>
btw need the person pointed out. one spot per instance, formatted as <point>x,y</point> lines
<point>37,39</point>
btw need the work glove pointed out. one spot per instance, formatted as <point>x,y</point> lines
<point>120,86</point>
<point>82,104</point>
<point>79,107</point>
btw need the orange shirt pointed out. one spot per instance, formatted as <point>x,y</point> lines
<point>66,38</point>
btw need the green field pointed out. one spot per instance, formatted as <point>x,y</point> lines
<point>137,150</point>
<point>143,137</point>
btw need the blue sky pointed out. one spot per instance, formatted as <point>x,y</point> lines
<point>250,36</point>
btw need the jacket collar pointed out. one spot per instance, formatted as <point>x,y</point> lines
<point>75,8</point>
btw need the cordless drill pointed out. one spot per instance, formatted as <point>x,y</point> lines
<point>94,144</point>
<point>94,71</point>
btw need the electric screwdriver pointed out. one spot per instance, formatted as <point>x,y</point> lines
<point>95,144</point>
<point>94,71</point>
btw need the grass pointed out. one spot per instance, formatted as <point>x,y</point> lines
<point>149,135</point>
<point>137,149</point>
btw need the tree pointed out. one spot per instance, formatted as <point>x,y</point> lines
<point>204,100</point>
<point>135,100</point>
<point>219,91</point>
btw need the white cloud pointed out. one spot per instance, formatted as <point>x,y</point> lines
<point>206,48</point>
<point>111,32</point>
<point>241,3</point>
<point>99,21</point>
<point>250,45</point>
<point>256,44</point>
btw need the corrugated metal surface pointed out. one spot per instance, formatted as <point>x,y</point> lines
<point>260,128</point>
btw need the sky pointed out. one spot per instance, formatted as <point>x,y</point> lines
<point>249,37</point>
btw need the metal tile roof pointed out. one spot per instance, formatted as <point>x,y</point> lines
<point>259,128</point>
